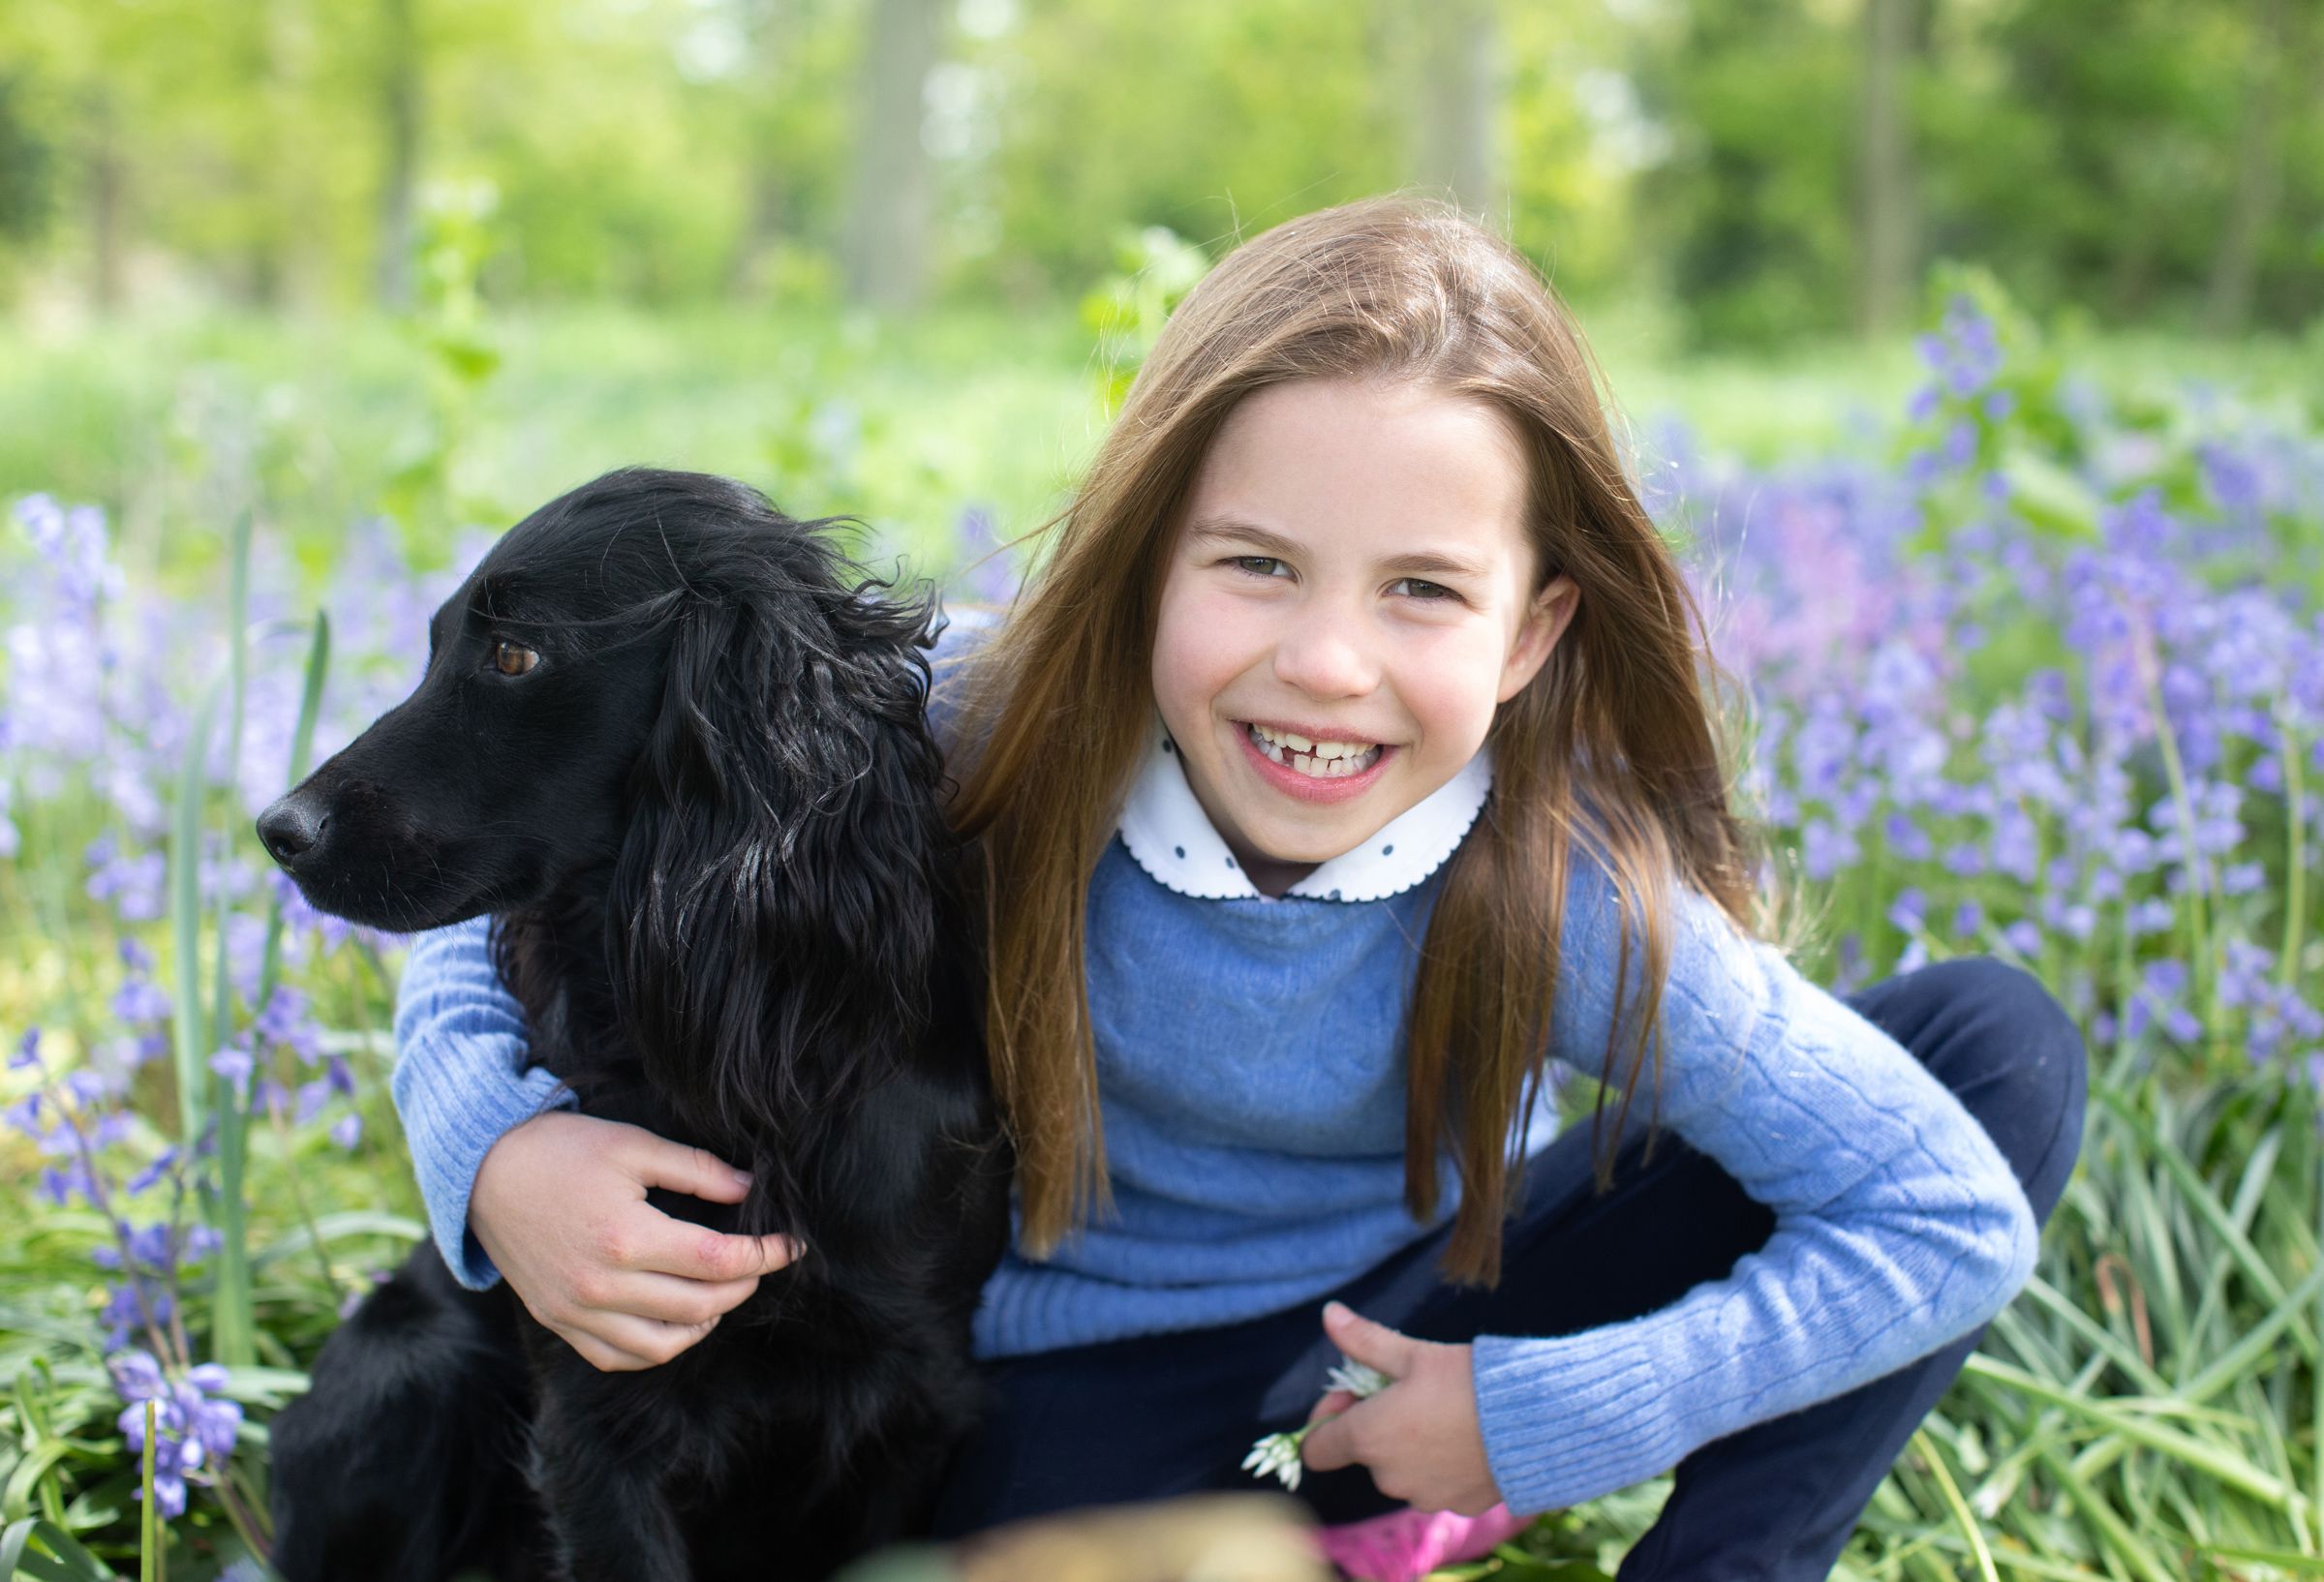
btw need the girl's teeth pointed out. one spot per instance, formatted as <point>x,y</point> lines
<point>1314,768</point>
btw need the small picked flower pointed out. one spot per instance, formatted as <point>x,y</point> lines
<point>1279,1453</point>
<point>1359,1379</point>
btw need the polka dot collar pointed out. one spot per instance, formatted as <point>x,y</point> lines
<point>1166,829</point>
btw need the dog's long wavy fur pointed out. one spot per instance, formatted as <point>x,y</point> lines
<point>710,837</point>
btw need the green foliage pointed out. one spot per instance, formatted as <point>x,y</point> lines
<point>1749,217</point>
<point>1155,268</point>
<point>1214,121</point>
<point>683,151</point>
<point>448,325</point>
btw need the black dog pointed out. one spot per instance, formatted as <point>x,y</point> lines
<point>685,769</point>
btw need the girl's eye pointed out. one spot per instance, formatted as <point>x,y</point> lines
<point>1437,594</point>
<point>512,659</point>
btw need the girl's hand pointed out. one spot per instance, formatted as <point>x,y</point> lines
<point>1420,1435</point>
<point>560,1207</point>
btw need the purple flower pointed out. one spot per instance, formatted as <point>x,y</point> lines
<point>137,1377</point>
<point>348,1130</point>
<point>2164,978</point>
<point>24,1116</point>
<point>60,1186</point>
<point>152,1247</point>
<point>144,1178</point>
<point>28,1051</point>
<point>233,1063</point>
<point>312,1097</point>
<point>284,1022</point>
<point>1905,912</point>
<point>138,1000</point>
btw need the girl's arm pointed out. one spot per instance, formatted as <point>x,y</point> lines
<point>460,1080</point>
<point>1899,1225</point>
<point>555,1201</point>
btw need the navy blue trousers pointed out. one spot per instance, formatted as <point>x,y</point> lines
<point>1164,1415</point>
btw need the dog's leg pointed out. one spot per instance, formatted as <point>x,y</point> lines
<point>401,1461</point>
<point>609,1519</point>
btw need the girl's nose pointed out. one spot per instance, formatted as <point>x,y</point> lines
<point>1323,655</point>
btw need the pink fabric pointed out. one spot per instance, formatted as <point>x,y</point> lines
<point>1406,1545</point>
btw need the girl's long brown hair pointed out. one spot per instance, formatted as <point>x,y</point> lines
<point>1611,741</point>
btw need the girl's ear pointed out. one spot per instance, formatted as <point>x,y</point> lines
<point>1546,620</point>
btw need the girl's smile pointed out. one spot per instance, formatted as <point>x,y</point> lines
<point>1334,770</point>
<point>1351,596</point>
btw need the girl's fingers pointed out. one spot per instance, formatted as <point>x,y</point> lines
<point>657,1162</point>
<point>618,1342</point>
<point>600,1355</point>
<point>1334,1402</point>
<point>653,1242</point>
<point>666,1298</point>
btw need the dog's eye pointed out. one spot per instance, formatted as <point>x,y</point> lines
<point>512,659</point>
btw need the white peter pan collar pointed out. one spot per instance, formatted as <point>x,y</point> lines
<point>1166,829</point>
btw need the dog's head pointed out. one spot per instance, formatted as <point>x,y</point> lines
<point>660,691</point>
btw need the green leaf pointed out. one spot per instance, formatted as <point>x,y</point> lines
<point>185,922</point>
<point>46,1552</point>
<point>2051,497</point>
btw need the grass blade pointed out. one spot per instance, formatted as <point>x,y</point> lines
<point>185,925</point>
<point>57,1558</point>
<point>234,1327</point>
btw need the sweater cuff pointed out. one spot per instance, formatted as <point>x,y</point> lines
<point>453,1132</point>
<point>1570,1417</point>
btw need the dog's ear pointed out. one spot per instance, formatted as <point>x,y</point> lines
<point>776,905</point>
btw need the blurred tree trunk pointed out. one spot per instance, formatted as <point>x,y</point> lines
<point>399,127</point>
<point>770,194</point>
<point>884,248</point>
<point>108,184</point>
<point>2258,168</point>
<point>766,221</point>
<point>273,118</point>
<point>1888,240</point>
<point>1459,104</point>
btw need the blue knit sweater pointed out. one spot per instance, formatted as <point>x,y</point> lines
<point>1251,1084</point>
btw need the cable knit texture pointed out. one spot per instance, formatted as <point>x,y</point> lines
<point>1251,1079</point>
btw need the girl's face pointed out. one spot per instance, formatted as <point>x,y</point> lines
<point>1352,569</point>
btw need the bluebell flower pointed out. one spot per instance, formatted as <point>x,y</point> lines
<point>163,1162</point>
<point>24,1116</point>
<point>139,1001</point>
<point>137,1377</point>
<point>1905,912</point>
<point>233,1063</point>
<point>312,1097</point>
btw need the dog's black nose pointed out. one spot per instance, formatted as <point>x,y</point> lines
<point>291,828</point>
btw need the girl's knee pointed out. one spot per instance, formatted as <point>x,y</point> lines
<point>2021,1067</point>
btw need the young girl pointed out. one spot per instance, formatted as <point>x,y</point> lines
<point>1348,754</point>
